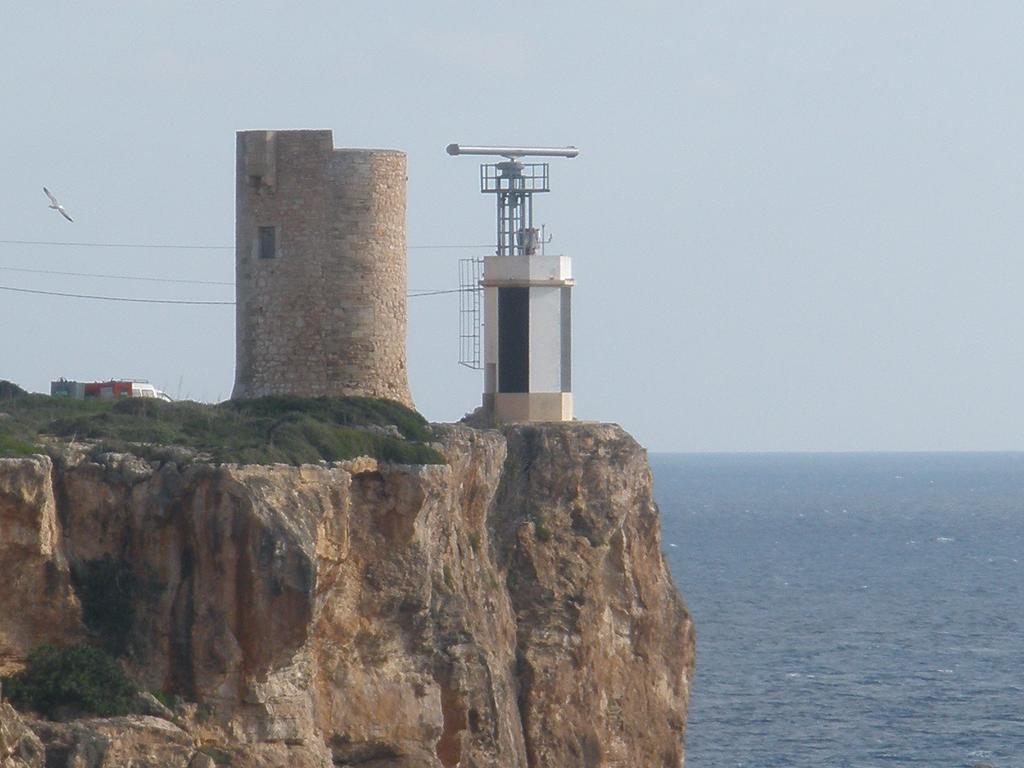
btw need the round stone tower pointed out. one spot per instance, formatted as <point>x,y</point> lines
<point>319,268</point>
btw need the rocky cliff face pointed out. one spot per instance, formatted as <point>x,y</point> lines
<point>509,609</point>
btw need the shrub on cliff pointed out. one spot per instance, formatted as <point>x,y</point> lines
<point>11,445</point>
<point>9,390</point>
<point>343,411</point>
<point>72,681</point>
<point>266,430</point>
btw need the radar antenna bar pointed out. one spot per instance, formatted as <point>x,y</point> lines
<point>513,153</point>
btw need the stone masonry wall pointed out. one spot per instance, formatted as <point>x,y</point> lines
<point>327,314</point>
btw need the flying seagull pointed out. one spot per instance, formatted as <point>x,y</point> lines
<point>57,206</point>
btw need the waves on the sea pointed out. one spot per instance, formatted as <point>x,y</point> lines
<point>851,610</point>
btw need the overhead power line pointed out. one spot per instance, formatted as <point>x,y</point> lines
<point>412,291</point>
<point>193,247</point>
<point>415,293</point>
<point>450,245</point>
<point>411,295</point>
<point>122,245</point>
<point>110,298</point>
<point>117,277</point>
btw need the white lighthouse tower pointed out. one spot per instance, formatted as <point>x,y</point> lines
<point>527,297</point>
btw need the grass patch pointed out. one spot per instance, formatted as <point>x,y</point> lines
<point>73,681</point>
<point>11,445</point>
<point>541,531</point>
<point>266,430</point>
<point>166,699</point>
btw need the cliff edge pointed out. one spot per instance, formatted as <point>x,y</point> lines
<point>510,608</point>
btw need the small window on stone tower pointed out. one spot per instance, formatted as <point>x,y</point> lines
<point>268,242</point>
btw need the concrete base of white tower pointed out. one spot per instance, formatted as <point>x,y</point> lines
<point>512,407</point>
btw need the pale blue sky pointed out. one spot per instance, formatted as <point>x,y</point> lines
<point>795,225</point>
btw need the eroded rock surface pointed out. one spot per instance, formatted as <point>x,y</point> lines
<point>37,604</point>
<point>605,643</point>
<point>115,742</point>
<point>20,747</point>
<point>509,609</point>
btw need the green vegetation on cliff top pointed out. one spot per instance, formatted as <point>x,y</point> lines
<point>266,430</point>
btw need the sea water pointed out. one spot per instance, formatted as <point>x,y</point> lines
<point>851,609</point>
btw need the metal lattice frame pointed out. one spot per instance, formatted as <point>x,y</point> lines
<point>470,313</point>
<point>514,184</point>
